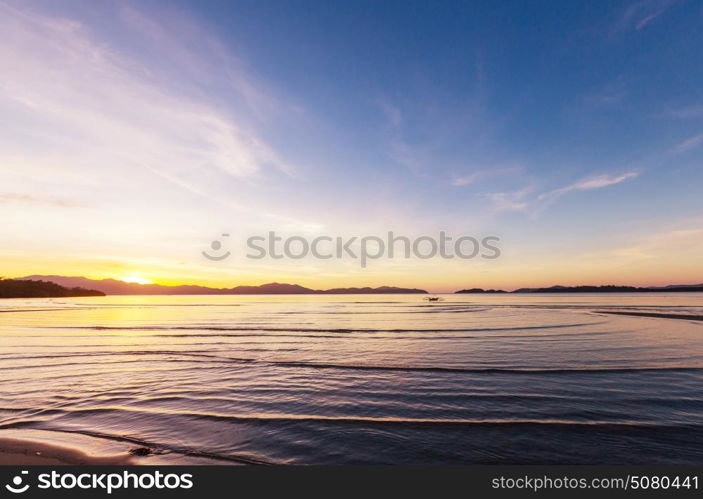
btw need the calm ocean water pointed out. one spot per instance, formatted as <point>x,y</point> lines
<point>362,379</point>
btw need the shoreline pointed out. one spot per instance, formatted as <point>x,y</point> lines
<point>22,451</point>
<point>40,447</point>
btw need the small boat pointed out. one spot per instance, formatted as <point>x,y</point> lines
<point>433,298</point>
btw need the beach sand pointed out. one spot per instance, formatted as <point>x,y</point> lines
<point>55,448</point>
<point>29,452</point>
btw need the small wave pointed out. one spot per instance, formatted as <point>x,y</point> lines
<point>484,370</point>
<point>360,420</point>
<point>215,361</point>
<point>196,327</point>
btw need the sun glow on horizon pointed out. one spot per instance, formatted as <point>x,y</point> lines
<point>135,279</point>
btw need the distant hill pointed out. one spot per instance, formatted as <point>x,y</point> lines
<point>116,287</point>
<point>596,289</point>
<point>15,288</point>
<point>272,288</point>
<point>681,286</point>
<point>583,289</point>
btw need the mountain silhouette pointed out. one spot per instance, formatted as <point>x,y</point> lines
<point>116,287</point>
<point>22,288</point>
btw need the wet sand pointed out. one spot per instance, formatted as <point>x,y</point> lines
<point>28,452</point>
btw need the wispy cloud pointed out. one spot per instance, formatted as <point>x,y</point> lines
<point>640,14</point>
<point>428,122</point>
<point>391,112</point>
<point>688,144</point>
<point>586,184</point>
<point>510,201</point>
<point>464,180</point>
<point>546,199</point>
<point>610,94</point>
<point>103,109</point>
<point>30,198</point>
<point>414,155</point>
<point>484,173</point>
<point>685,112</point>
<point>523,200</point>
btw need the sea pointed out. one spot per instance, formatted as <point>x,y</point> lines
<point>361,379</point>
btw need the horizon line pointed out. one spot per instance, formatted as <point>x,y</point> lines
<point>466,289</point>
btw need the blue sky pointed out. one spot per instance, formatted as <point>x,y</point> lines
<point>573,130</point>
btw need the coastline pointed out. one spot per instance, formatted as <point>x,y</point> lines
<point>38,447</point>
<point>20,452</point>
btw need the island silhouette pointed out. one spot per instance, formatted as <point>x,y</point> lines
<point>117,287</point>
<point>51,286</point>
<point>16,288</point>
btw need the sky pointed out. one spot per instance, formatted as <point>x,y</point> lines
<point>135,133</point>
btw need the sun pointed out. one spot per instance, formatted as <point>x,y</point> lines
<point>136,279</point>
